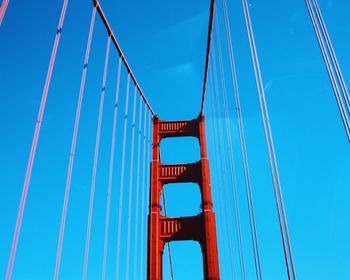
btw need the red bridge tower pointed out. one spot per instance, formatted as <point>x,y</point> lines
<point>200,228</point>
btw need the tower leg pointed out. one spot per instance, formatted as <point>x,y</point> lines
<point>200,228</point>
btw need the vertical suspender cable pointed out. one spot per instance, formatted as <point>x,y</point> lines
<point>149,149</point>
<point>333,55</point>
<point>208,111</point>
<point>72,151</point>
<point>23,200</point>
<point>329,68</point>
<point>248,188</point>
<point>270,146</point>
<point>230,154</point>
<point>331,74</point>
<point>94,169</point>
<point>110,176</point>
<point>223,161</point>
<point>169,249</point>
<point>120,211</point>
<point>218,177</point>
<point>143,196</point>
<point>130,186</point>
<point>137,191</point>
<point>263,108</point>
<point>3,9</point>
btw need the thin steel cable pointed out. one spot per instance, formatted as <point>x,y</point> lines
<point>230,155</point>
<point>110,176</point>
<point>169,249</point>
<point>3,9</point>
<point>143,196</point>
<point>267,136</point>
<point>223,160</point>
<point>330,70</point>
<point>331,74</point>
<point>137,209</point>
<point>216,176</point>
<point>270,146</point>
<point>120,211</point>
<point>132,150</point>
<point>325,54</point>
<point>248,188</point>
<point>35,140</point>
<point>94,169</point>
<point>149,149</point>
<point>218,179</point>
<point>73,146</point>
<point>333,55</point>
<point>209,113</point>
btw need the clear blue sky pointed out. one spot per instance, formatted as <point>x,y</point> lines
<point>164,42</point>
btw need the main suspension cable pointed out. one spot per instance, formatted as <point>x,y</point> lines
<point>35,140</point>
<point>121,54</point>
<point>270,146</point>
<point>207,58</point>
<point>94,169</point>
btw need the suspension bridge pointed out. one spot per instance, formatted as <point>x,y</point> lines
<point>122,182</point>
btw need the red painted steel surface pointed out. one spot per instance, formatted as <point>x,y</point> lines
<point>200,228</point>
